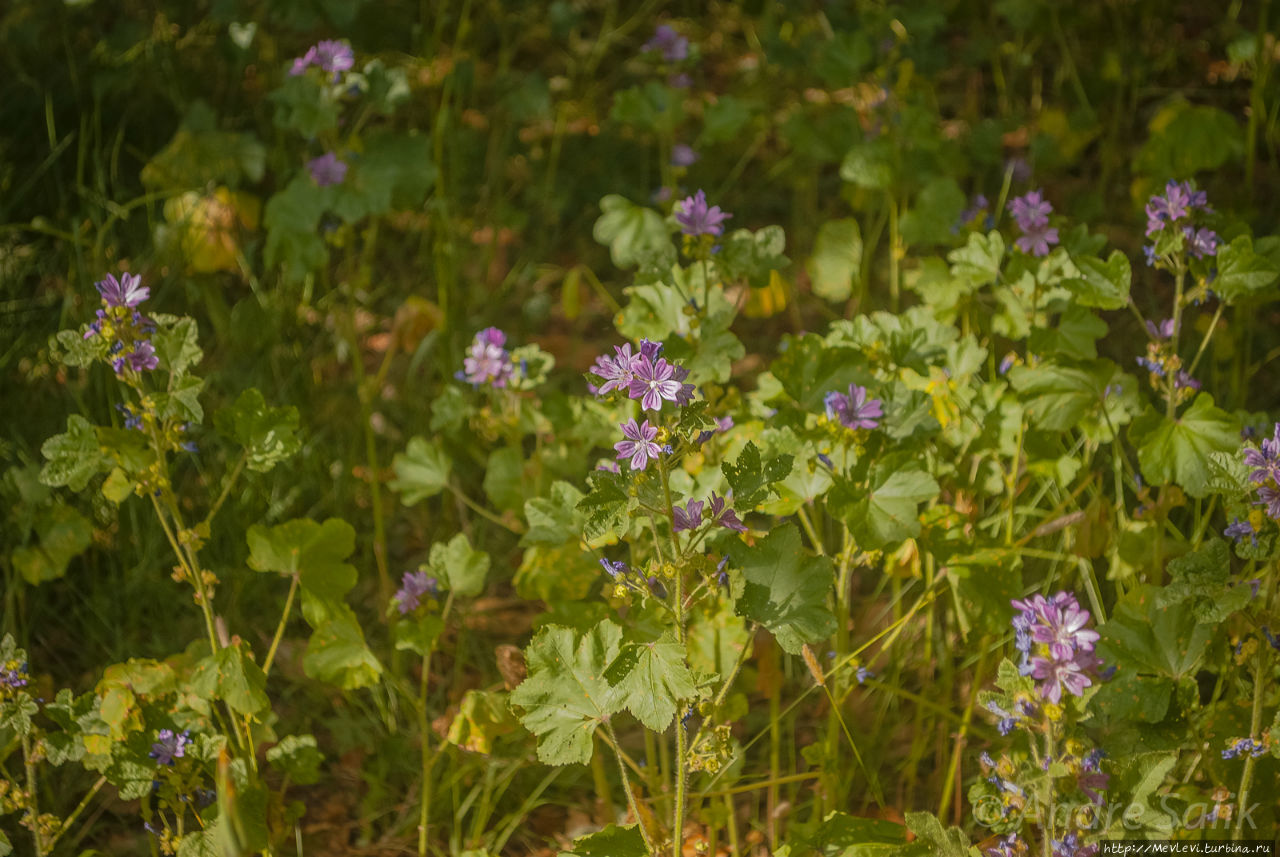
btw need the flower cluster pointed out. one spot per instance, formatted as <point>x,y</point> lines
<point>1240,747</point>
<point>330,55</point>
<point>1025,710</point>
<point>719,513</point>
<point>169,745</point>
<point>120,322</point>
<point>1056,647</point>
<point>630,580</point>
<point>1000,774</point>
<point>1265,461</point>
<point>413,586</point>
<point>645,376</point>
<point>1164,364</point>
<point>487,361</point>
<point>1086,767</point>
<point>673,46</point>
<point>854,410</point>
<point>1011,845</point>
<point>1031,212</point>
<point>1071,846</point>
<point>13,676</point>
<point>1171,224</point>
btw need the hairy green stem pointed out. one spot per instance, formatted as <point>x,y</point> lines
<point>626,788</point>
<point>1255,720</point>
<point>33,805</point>
<point>1180,279</point>
<point>284,618</point>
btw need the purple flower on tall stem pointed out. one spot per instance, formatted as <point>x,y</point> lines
<point>639,445</point>
<point>614,568</point>
<point>1239,530</point>
<point>330,55</point>
<point>1162,331</point>
<point>1056,647</point>
<point>334,56</point>
<point>673,46</point>
<point>487,361</point>
<point>687,518</point>
<point>1057,675</point>
<point>1266,459</point>
<point>855,410</point>
<point>683,155</point>
<point>169,745</point>
<point>1201,242</point>
<point>617,371</point>
<point>654,381</point>
<point>1244,747</point>
<point>127,291</point>
<point>723,515</point>
<point>1037,240</point>
<point>327,170</point>
<point>1030,210</point>
<point>413,586</point>
<point>697,218</point>
<point>1270,497</point>
<point>143,357</point>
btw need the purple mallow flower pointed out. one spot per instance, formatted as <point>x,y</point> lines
<point>721,514</point>
<point>697,218</point>
<point>673,46</point>
<point>1163,330</point>
<point>1031,212</point>
<point>652,382</point>
<point>1183,380</point>
<point>717,512</point>
<point>1239,530</point>
<point>169,745</point>
<point>686,518</point>
<point>855,410</point>
<point>683,155</point>
<point>644,376</point>
<point>330,55</point>
<point>1265,462</point>
<point>413,586</point>
<point>616,371</point>
<point>487,361</point>
<point>1201,242</point>
<point>614,568</point>
<point>1270,497</point>
<point>327,170</point>
<point>639,445</point>
<point>143,357</point>
<point>127,291</point>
